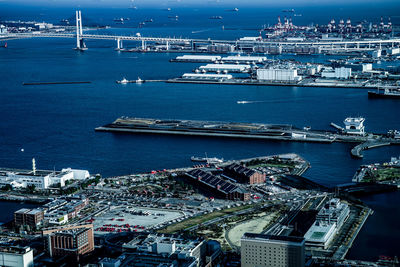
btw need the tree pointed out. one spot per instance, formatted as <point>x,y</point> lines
<point>7,187</point>
<point>31,188</point>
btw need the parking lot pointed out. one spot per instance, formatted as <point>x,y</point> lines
<point>123,218</point>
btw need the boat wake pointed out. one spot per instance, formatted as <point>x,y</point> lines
<point>200,31</point>
<point>250,102</point>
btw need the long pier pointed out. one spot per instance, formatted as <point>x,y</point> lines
<point>332,84</point>
<point>243,131</point>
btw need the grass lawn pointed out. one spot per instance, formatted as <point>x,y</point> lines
<point>386,174</point>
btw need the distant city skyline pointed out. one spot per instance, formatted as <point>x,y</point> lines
<point>183,3</point>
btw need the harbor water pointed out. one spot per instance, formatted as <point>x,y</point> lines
<point>55,123</point>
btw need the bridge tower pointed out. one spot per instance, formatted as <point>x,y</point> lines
<point>80,44</point>
<point>119,44</point>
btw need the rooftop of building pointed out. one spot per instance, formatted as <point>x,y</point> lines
<point>180,243</point>
<point>273,237</point>
<point>239,169</point>
<point>14,249</point>
<point>34,211</point>
<point>23,210</point>
<point>212,180</point>
<point>71,232</point>
<point>319,232</point>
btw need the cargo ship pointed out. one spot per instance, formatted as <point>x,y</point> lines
<point>385,93</point>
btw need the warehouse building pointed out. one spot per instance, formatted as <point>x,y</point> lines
<point>216,185</point>
<point>278,75</point>
<point>197,58</point>
<point>246,59</point>
<point>243,174</point>
<point>205,77</point>
<point>226,68</point>
<point>337,73</point>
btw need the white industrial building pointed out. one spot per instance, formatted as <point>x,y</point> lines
<point>206,76</point>
<point>365,67</point>
<point>393,51</point>
<point>280,75</point>
<point>3,29</point>
<point>247,59</point>
<point>16,256</point>
<point>328,222</point>
<point>320,234</point>
<point>354,125</point>
<point>250,39</point>
<point>377,53</point>
<point>226,68</point>
<point>41,179</point>
<point>337,73</point>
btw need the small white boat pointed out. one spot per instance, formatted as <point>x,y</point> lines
<point>139,80</point>
<point>123,81</point>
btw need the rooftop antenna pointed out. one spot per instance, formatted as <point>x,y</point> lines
<point>34,166</point>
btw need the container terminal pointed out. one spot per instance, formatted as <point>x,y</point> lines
<point>353,132</point>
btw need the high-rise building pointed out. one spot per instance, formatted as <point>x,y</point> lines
<point>270,250</point>
<point>70,241</point>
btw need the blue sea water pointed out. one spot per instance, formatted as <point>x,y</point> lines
<point>55,123</point>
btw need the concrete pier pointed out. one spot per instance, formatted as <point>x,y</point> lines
<point>244,131</point>
<point>357,150</point>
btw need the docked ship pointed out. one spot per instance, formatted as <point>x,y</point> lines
<point>207,160</point>
<point>385,93</point>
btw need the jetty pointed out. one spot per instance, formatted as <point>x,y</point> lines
<point>53,83</point>
<point>357,150</point>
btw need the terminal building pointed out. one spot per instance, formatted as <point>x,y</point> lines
<point>354,126</point>
<point>270,250</point>
<point>13,256</point>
